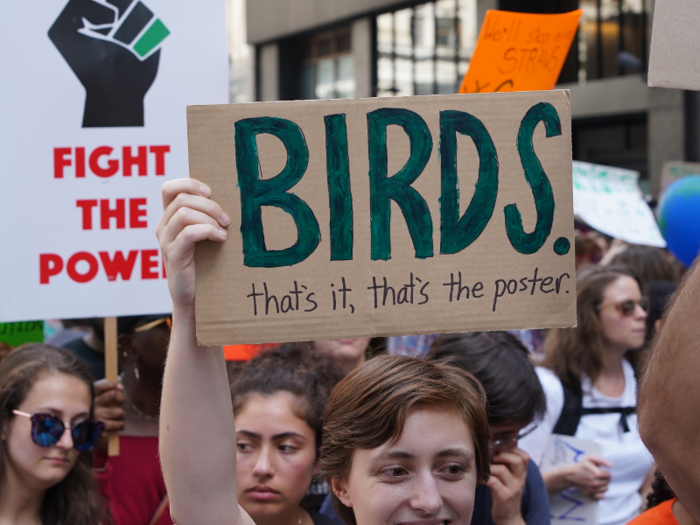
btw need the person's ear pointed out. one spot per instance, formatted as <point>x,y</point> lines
<point>658,324</point>
<point>340,491</point>
<point>317,467</point>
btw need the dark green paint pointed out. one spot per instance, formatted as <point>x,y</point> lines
<point>523,242</point>
<point>562,246</point>
<point>458,233</point>
<point>256,192</point>
<point>398,188</point>
<point>339,193</point>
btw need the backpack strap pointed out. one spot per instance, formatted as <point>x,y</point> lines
<point>571,413</point>
<point>623,411</point>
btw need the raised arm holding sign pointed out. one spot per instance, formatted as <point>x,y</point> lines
<point>324,219</point>
<point>383,415</point>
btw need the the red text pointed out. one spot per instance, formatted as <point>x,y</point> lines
<point>115,213</point>
<point>105,162</point>
<point>83,267</point>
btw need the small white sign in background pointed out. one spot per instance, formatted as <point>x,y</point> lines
<point>609,200</point>
<point>570,505</point>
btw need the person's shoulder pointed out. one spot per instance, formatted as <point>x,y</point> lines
<point>535,498</point>
<point>662,514</point>
<point>551,384</point>
<point>320,519</point>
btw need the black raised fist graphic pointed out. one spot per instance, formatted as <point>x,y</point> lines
<point>113,48</point>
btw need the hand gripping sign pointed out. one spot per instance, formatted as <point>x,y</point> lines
<point>113,48</point>
<point>385,216</point>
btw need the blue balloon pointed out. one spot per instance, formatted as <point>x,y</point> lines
<point>679,218</point>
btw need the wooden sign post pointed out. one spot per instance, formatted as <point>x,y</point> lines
<point>111,371</point>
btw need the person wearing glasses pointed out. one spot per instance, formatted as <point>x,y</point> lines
<point>133,480</point>
<point>46,405</point>
<point>589,379</point>
<point>515,492</point>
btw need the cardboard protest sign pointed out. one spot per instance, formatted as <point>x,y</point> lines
<point>673,57</point>
<point>570,505</point>
<point>675,170</point>
<point>385,216</point>
<point>520,52</point>
<point>93,103</point>
<point>609,200</point>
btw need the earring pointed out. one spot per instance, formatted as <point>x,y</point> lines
<point>136,373</point>
<point>125,354</point>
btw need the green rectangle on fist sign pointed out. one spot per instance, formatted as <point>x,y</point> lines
<point>386,216</point>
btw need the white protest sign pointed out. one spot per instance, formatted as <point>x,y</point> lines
<point>609,200</point>
<point>93,118</point>
<point>570,505</point>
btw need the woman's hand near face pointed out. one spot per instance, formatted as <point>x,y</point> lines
<point>109,398</point>
<point>507,482</point>
<point>197,445</point>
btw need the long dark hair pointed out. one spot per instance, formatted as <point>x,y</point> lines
<point>75,500</point>
<point>572,352</point>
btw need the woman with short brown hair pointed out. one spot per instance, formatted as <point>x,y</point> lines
<point>370,408</point>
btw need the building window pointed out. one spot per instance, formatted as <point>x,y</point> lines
<point>619,140</point>
<point>425,49</point>
<point>328,67</point>
<point>609,30</point>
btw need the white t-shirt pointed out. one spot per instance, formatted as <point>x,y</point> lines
<point>625,450</point>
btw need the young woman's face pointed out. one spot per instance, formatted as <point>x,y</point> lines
<point>276,456</point>
<point>427,477</point>
<point>39,468</point>
<point>620,330</point>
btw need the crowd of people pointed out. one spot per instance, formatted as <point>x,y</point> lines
<point>441,428</point>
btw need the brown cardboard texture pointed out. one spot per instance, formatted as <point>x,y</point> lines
<point>675,38</point>
<point>385,216</point>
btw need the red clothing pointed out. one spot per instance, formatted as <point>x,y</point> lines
<point>133,482</point>
<point>660,515</point>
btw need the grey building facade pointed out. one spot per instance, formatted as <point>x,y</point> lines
<point>362,48</point>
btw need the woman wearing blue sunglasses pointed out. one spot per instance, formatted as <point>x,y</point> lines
<point>46,403</point>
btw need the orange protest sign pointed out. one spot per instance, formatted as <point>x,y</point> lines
<point>245,352</point>
<point>520,52</point>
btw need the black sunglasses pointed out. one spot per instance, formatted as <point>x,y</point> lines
<point>48,429</point>
<point>627,308</point>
